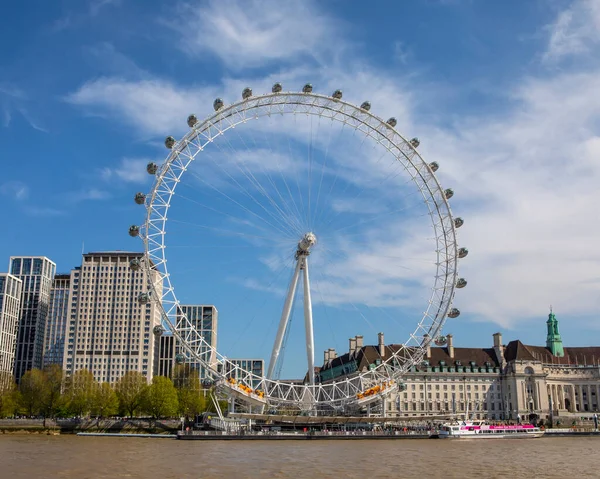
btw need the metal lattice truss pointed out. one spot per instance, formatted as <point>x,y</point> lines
<point>276,393</point>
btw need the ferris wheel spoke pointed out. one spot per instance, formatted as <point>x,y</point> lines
<point>291,209</point>
<point>243,168</point>
<point>224,213</point>
<point>237,203</point>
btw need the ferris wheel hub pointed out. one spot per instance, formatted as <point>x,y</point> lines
<point>307,242</point>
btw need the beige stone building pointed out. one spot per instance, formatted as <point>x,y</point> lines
<point>505,381</point>
<point>110,330</point>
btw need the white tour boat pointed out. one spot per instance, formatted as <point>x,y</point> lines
<point>480,430</point>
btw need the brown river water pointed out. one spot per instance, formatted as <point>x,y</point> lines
<point>72,457</point>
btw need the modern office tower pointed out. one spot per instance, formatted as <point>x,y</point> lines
<point>204,318</point>
<point>10,307</point>
<point>165,356</point>
<point>110,329</point>
<point>58,317</point>
<point>37,274</point>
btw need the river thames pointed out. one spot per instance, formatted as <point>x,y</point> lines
<point>72,457</point>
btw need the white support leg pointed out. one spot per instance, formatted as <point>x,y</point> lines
<point>308,325</point>
<point>283,322</point>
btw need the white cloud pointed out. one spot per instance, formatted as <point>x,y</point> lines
<point>131,170</point>
<point>575,31</point>
<point>525,181</point>
<point>15,189</point>
<point>256,32</point>
<point>88,194</point>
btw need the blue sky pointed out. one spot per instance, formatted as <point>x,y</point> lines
<point>502,94</point>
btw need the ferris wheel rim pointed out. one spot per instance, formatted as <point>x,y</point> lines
<point>155,251</point>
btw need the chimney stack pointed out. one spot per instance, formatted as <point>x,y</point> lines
<point>332,354</point>
<point>426,338</point>
<point>352,346</point>
<point>450,346</point>
<point>359,342</point>
<point>326,357</point>
<point>381,344</point>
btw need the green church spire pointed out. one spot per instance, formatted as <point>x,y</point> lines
<point>553,341</point>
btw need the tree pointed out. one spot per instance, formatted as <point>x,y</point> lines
<point>160,399</point>
<point>105,401</point>
<point>33,392</point>
<point>8,395</point>
<point>130,391</point>
<point>53,398</point>
<point>81,391</point>
<point>190,393</point>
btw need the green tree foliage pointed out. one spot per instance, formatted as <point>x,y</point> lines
<point>130,391</point>
<point>192,400</point>
<point>160,399</point>
<point>106,402</point>
<point>53,398</point>
<point>81,392</point>
<point>8,395</point>
<point>33,392</point>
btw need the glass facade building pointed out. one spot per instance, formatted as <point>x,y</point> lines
<point>10,308</point>
<point>204,319</point>
<point>36,274</point>
<point>58,317</point>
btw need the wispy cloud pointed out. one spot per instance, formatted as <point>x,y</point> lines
<point>92,194</point>
<point>15,189</point>
<point>74,19</point>
<point>575,31</point>
<point>44,212</point>
<point>132,170</point>
<point>525,179</point>
<point>254,33</point>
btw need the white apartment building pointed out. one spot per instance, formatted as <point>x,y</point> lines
<point>58,318</point>
<point>10,307</point>
<point>37,274</point>
<point>205,319</point>
<point>110,330</point>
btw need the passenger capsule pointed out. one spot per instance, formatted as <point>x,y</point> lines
<point>458,222</point>
<point>158,330</point>
<point>140,198</point>
<point>134,230</point>
<point>337,94</point>
<point>463,252</point>
<point>277,87</point>
<point>454,313</point>
<point>433,166</point>
<point>246,93</point>
<point>449,193</point>
<point>307,88</point>
<point>151,168</point>
<point>192,120</point>
<point>143,298</point>
<point>415,142</point>
<point>179,358</point>
<point>135,264</point>
<point>461,283</point>
<point>392,122</point>
<point>441,340</point>
<point>402,387</point>
<point>218,104</point>
<point>169,142</point>
<point>366,105</point>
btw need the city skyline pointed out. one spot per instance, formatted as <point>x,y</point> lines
<point>515,138</point>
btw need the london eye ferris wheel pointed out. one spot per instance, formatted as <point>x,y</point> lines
<point>320,207</point>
